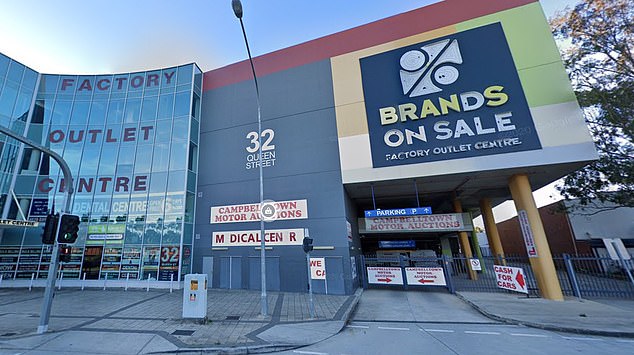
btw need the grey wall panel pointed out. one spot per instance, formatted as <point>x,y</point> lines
<point>290,92</point>
<point>304,143</point>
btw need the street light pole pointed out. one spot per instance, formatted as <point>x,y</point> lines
<point>237,10</point>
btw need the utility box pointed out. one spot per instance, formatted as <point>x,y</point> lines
<point>195,296</point>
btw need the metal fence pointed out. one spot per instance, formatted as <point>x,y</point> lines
<point>583,276</point>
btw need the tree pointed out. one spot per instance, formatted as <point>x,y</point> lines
<point>596,37</point>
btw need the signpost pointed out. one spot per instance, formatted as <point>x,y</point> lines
<point>385,275</point>
<point>426,276</point>
<point>527,233</point>
<point>510,278</point>
<point>398,212</point>
<point>16,223</point>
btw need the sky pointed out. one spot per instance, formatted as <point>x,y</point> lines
<point>96,37</point>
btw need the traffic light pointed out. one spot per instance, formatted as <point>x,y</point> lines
<point>308,244</point>
<point>50,228</point>
<point>64,254</point>
<point>68,228</point>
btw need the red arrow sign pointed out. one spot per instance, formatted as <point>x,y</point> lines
<point>387,279</point>
<point>520,279</point>
<point>425,281</point>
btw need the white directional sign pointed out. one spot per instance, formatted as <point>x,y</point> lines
<point>510,278</point>
<point>385,275</point>
<point>427,276</point>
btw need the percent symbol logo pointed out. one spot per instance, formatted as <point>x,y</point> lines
<point>423,71</point>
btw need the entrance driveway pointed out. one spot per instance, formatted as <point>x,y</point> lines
<point>415,306</point>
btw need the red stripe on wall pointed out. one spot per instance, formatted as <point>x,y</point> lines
<point>445,13</point>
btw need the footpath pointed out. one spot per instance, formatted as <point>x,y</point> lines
<point>95,321</point>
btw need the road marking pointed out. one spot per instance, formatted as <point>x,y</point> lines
<point>529,335</point>
<point>485,333</point>
<point>625,341</point>
<point>359,326</point>
<point>391,328</point>
<point>437,330</point>
<point>580,338</point>
<point>309,352</point>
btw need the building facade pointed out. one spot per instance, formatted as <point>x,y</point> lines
<point>131,142</point>
<point>378,140</point>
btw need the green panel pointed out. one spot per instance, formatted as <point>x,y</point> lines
<point>527,33</point>
<point>546,85</point>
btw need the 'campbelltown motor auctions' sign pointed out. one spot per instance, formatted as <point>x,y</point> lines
<point>294,209</point>
<point>429,223</point>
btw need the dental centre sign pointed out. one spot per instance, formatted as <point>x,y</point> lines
<point>452,97</point>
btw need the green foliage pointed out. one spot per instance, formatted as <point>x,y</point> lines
<point>596,37</point>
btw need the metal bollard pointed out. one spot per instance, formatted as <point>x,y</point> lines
<point>61,278</point>
<point>31,284</point>
<point>127,279</point>
<point>148,284</point>
<point>83,281</point>
<point>171,282</point>
<point>104,282</point>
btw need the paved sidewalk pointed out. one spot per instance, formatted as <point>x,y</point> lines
<point>608,317</point>
<point>136,321</point>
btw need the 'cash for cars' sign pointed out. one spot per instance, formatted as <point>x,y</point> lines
<point>457,96</point>
<point>510,278</point>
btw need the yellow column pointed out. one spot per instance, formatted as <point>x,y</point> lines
<point>492,230</point>
<point>464,242</point>
<point>542,264</point>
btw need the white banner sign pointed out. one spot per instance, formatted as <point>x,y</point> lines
<point>510,278</point>
<point>16,223</point>
<point>272,238</point>
<point>527,233</point>
<point>318,268</point>
<point>425,223</point>
<point>430,276</point>
<point>295,209</point>
<point>385,275</point>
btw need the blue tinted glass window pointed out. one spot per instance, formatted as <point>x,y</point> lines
<point>176,181</point>
<point>181,106</point>
<point>115,111</point>
<point>130,134</point>
<point>4,65</point>
<point>98,112</point>
<point>112,134</point>
<point>184,75</point>
<point>163,131</point>
<point>161,157</point>
<point>23,103</point>
<point>49,83</point>
<point>29,79</point>
<point>108,160</point>
<point>166,104</point>
<point>178,152</point>
<point>89,161</point>
<point>181,128</point>
<point>125,163</point>
<point>143,159</point>
<point>120,83</point>
<point>7,99</point>
<point>85,86</point>
<point>168,77</point>
<point>61,112</point>
<point>15,72</point>
<point>148,111</point>
<point>158,182</point>
<point>80,112</point>
<point>137,82</point>
<point>103,84</point>
<point>132,111</point>
<point>146,133</point>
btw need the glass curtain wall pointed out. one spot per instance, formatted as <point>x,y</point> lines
<point>131,143</point>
